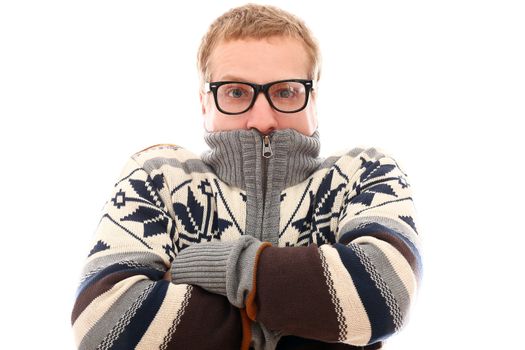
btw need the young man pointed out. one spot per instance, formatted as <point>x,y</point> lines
<point>258,243</point>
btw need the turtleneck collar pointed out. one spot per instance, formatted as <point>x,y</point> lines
<point>236,156</point>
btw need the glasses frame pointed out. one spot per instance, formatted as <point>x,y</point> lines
<point>257,88</point>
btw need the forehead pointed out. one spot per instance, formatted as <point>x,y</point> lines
<point>259,60</point>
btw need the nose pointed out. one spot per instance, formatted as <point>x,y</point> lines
<point>262,116</point>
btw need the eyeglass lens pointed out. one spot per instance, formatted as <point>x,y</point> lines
<point>285,96</point>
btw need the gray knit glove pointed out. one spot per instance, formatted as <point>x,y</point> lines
<point>263,338</point>
<point>224,268</point>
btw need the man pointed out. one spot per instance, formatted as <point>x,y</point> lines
<point>258,243</point>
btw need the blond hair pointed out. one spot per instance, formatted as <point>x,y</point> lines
<point>254,21</point>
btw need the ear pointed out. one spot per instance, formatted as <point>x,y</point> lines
<point>316,90</point>
<point>203,97</point>
<point>204,101</point>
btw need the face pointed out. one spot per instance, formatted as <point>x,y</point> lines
<point>259,61</point>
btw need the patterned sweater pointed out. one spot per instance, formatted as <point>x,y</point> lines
<point>258,243</point>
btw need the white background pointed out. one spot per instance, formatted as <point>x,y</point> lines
<point>440,85</point>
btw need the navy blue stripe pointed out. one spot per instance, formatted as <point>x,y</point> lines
<point>375,305</point>
<point>152,274</point>
<point>371,228</point>
<point>139,324</point>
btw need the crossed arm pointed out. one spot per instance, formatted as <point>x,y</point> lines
<point>356,291</point>
<point>124,300</point>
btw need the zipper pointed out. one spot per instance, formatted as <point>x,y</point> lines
<point>266,154</point>
<point>267,148</point>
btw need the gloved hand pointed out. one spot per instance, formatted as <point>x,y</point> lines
<point>225,268</point>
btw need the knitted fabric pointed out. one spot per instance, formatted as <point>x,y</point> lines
<point>342,271</point>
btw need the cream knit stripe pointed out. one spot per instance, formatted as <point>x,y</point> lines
<point>391,220</point>
<point>125,320</point>
<point>358,328</point>
<point>171,331</point>
<point>112,319</point>
<point>166,319</point>
<point>396,260</point>
<point>388,275</point>
<point>337,307</point>
<point>100,306</point>
<point>381,285</point>
<point>113,256</point>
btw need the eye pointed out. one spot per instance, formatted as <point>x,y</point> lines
<point>285,93</point>
<point>236,92</point>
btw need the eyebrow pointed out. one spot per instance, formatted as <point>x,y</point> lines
<point>232,77</point>
<point>229,77</point>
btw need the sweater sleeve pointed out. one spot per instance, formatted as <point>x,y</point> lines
<point>125,299</point>
<point>358,290</point>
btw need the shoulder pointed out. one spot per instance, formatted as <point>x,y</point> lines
<point>357,159</point>
<point>168,158</point>
<point>356,154</point>
<point>163,152</point>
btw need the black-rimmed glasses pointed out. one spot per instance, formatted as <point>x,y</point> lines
<point>235,97</point>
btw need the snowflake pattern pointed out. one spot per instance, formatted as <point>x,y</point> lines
<point>195,203</point>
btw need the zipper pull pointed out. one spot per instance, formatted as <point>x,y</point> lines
<point>267,148</point>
